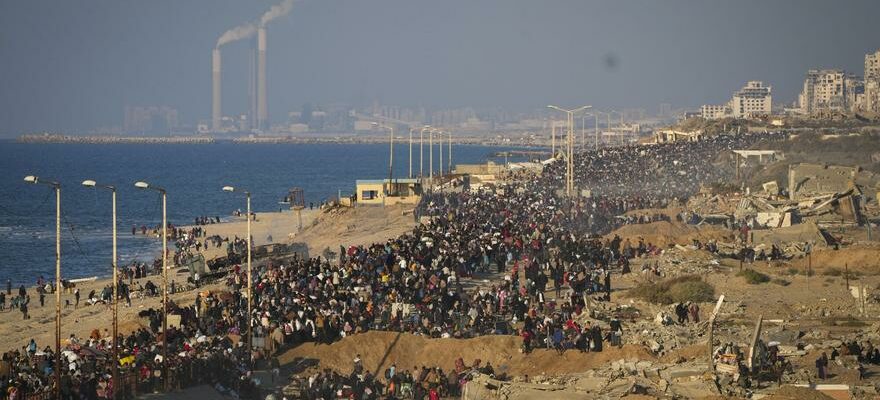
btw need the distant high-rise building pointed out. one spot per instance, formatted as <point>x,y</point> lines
<point>665,110</point>
<point>854,93</point>
<point>153,120</point>
<point>871,97</point>
<point>824,91</point>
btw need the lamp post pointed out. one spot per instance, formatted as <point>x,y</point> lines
<point>390,154</point>
<point>115,304</point>
<point>57,188</point>
<point>449,137</point>
<point>569,184</point>
<point>410,151</point>
<point>147,186</point>
<point>440,149</point>
<point>250,281</point>
<point>431,155</point>
<point>422,149</point>
<point>609,114</point>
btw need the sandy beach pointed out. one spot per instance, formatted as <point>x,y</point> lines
<point>347,226</point>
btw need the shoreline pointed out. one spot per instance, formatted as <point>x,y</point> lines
<point>15,332</point>
<point>517,141</point>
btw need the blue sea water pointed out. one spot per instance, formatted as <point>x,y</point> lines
<point>193,176</point>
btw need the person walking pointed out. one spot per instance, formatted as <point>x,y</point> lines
<point>822,366</point>
<point>76,298</point>
<point>694,311</point>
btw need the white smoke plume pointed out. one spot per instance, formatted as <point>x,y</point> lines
<point>239,32</point>
<point>250,29</point>
<point>278,10</point>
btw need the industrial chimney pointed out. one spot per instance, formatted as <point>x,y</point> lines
<point>252,85</point>
<point>262,112</point>
<point>216,112</point>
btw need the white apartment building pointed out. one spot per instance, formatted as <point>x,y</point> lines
<point>751,101</point>
<point>714,111</point>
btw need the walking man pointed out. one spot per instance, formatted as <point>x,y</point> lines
<point>822,366</point>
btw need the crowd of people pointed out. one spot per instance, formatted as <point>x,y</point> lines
<point>550,264</point>
<point>663,170</point>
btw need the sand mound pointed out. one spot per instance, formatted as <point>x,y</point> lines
<point>665,233</point>
<point>860,257</point>
<point>379,350</point>
<point>798,393</point>
<point>355,226</point>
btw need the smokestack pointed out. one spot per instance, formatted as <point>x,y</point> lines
<point>262,112</point>
<point>216,111</point>
<point>252,85</point>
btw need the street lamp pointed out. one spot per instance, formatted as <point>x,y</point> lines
<point>115,353</point>
<point>410,151</point>
<point>608,114</point>
<point>449,137</point>
<point>440,142</point>
<point>422,149</point>
<point>390,154</point>
<point>146,186</point>
<point>250,337</point>
<point>57,188</point>
<point>569,184</point>
<point>431,155</point>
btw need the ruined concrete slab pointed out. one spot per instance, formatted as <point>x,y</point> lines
<point>801,233</point>
<point>805,180</point>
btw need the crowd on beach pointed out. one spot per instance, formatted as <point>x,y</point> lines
<point>544,250</point>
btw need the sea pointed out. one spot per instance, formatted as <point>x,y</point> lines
<point>192,175</point>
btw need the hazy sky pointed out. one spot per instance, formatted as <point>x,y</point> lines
<point>73,65</point>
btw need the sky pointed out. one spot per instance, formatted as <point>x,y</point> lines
<point>72,66</point>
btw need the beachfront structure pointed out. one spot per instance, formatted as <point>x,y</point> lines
<point>385,192</point>
<point>753,100</point>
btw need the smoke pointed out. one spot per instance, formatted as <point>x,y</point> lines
<point>278,10</point>
<point>250,29</point>
<point>239,32</point>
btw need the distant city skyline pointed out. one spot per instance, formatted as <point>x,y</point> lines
<point>75,66</point>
